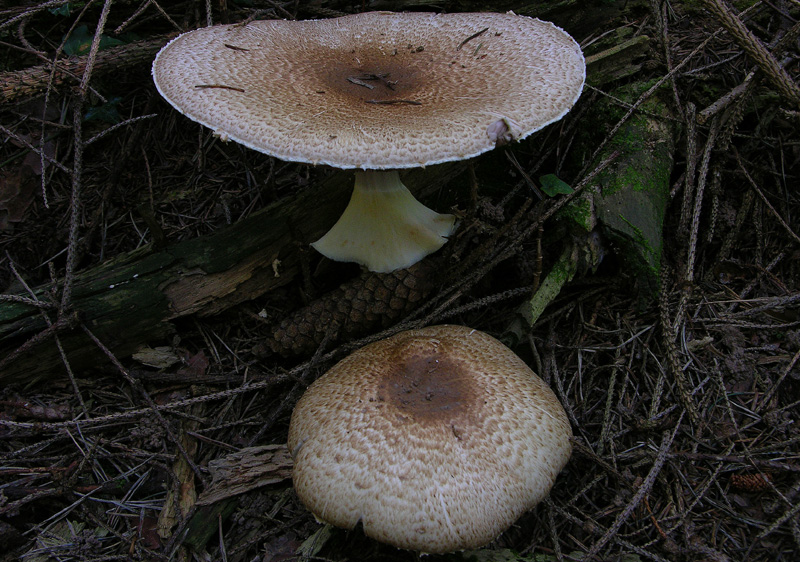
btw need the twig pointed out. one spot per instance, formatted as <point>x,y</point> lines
<point>513,159</point>
<point>35,149</point>
<point>758,191</point>
<point>394,102</point>
<point>219,87</point>
<point>74,206</point>
<point>64,322</point>
<point>644,97</point>
<point>688,277</point>
<point>727,99</point>
<point>767,398</point>
<point>32,81</point>
<point>152,405</point>
<point>640,494</point>
<point>27,301</point>
<point>728,459</point>
<point>756,280</point>
<point>471,37</point>
<point>756,50</point>
<point>32,11</point>
<point>116,126</point>
<point>770,303</point>
<point>605,430</point>
<point>691,167</point>
<point>77,163</point>
<point>668,334</point>
<point>359,82</point>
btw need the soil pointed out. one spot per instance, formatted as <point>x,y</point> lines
<point>680,379</point>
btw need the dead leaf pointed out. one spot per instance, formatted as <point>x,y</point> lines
<point>158,357</point>
<point>281,548</point>
<point>148,532</point>
<point>195,365</point>
<point>17,190</point>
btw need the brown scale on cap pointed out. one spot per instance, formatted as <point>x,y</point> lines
<point>435,440</point>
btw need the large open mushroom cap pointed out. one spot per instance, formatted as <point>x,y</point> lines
<point>376,90</point>
<point>435,440</point>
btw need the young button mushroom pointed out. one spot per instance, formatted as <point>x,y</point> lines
<point>435,440</point>
<point>375,91</point>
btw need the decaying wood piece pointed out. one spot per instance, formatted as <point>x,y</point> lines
<point>246,470</point>
<point>617,62</point>
<point>237,473</point>
<point>131,300</point>
<point>22,84</point>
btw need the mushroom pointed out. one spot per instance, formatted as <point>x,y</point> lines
<point>377,92</point>
<point>435,440</point>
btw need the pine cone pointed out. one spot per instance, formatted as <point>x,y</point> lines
<point>370,302</point>
<point>750,482</point>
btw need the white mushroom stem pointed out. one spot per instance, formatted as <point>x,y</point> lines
<point>384,227</point>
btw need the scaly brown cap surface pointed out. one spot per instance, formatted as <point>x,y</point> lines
<point>436,440</point>
<point>376,90</point>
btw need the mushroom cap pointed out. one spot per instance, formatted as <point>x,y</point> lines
<point>435,440</point>
<point>376,90</point>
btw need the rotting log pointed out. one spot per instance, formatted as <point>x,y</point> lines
<point>132,299</point>
<point>632,194</point>
<point>617,62</point>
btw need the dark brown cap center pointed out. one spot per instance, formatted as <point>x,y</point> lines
<point>429,388</point>
<point>373,77</point>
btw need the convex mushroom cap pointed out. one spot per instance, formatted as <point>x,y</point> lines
<point>435,440</point>
<point>375,91</point>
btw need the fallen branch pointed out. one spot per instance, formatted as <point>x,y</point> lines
<point>22,84</point>
<point>133,299</point>
<point>756,50</point>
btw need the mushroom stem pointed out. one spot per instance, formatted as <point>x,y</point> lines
<point>384,227</point>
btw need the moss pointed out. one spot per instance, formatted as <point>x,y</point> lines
<point>633,192</point>
<point>562,272</point>
<point>579,214</point>
<point>646,260</point>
